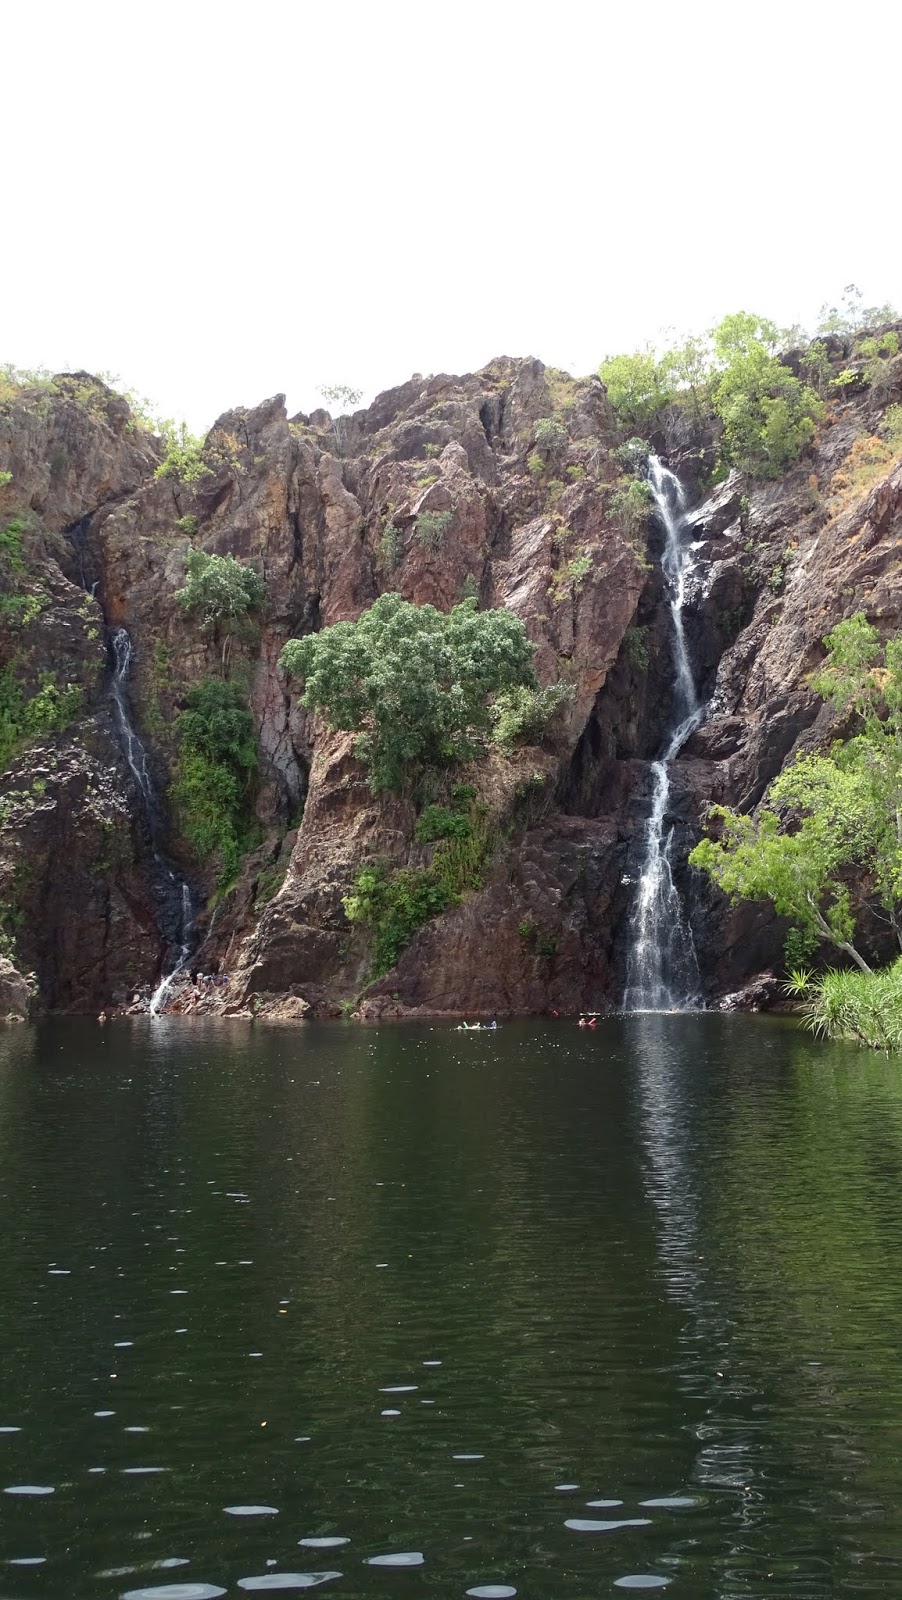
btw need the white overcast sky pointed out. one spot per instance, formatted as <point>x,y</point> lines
<point>219,202</point>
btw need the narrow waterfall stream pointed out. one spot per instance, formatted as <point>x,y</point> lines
<point>662,967</point>
<point>173,896</point>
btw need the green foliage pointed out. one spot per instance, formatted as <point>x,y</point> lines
<point>437,822</point>
<point>569,580</point>
<point>827,814</point>
<point>5,479</point>
<point>892,426</point>
<point>815,366</point>
<point>633,455</point>
<point>432,449</point>
<point>412,681</point>
<point>219,589</point>
<point>214,773</point>
<point>11,545</point>
<point>635,643</point>
<point>630,506</point>
<point>799,981</point>
<point>268,884</point>
<point>550,434</point>
<point>187,525</point>
<point>391,546</point>
<point>879,367</point>
<point>183,462</point>
<point>639,386</point>
<point>851,314</point>
<point>768,416</point>
<point>341,394</point>
<point>430,528</point>
<point>49,710</point>
<point>395,906</point>
<point>522,715</point>
<point>535,465</point>
<point>864,1006</point>
<point>217,723</point>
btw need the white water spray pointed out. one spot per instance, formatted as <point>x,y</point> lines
<point>662,967</point>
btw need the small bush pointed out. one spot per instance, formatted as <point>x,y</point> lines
<point>437,822</point>
<point>522,715</point>
<point>430,528</point>
<point>391,546</point>
<point>630,507</point>
<point>892,426</point>
<point>535,465</point>
<point>432,450</point>
<point>395,906</point>
<point>50,710</point>
<point>187,525</point>
<point>635,642</point>
<point>549,434</point>
<point>571,578</point>
<point>633,455</point>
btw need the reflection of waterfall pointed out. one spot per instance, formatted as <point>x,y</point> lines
<point>662,967</point>
<point>666,1052</point>
<point>172,894</point>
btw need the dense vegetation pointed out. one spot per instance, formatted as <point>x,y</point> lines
<point>395,904</point>
<point>415,683</point>
<point>214,774</point>
<point>829,815</point>
<point>765,404</point>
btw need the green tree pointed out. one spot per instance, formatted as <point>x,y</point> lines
<point>183,462</point>
<point>414,682</point>
<point>638,386</point>
<point>768,416</point>
<point>221,592</point>
<point>851,314</point>
<point>828,814</point>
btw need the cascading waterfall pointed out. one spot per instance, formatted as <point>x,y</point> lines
<point>173,895</point>
<point>662,967</point>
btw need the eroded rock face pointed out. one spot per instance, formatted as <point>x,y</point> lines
<point>16,993</point>
<point>438,490</point>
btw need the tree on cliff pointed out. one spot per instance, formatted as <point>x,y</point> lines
<point>414,682</point>
<point>768,416</point>
<point>735,374</point>
<point>220,591</point>
<point>828,814</point>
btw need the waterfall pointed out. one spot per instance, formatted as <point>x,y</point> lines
<point>172,893</point>
<point>662,967</point>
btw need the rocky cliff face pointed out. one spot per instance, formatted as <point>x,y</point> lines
<point>327,511</point>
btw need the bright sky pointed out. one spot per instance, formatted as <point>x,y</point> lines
<point>219,202</point>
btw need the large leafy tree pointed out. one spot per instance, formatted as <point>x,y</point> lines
<point>827,814</point>
<point>768,416</point>
<point>414,682</point>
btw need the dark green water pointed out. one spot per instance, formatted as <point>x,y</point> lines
<point>428,1293</point>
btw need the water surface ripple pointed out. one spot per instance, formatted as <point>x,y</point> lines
<point>654,1269</point>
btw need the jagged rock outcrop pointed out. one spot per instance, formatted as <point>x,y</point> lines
<point>331,513</point>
